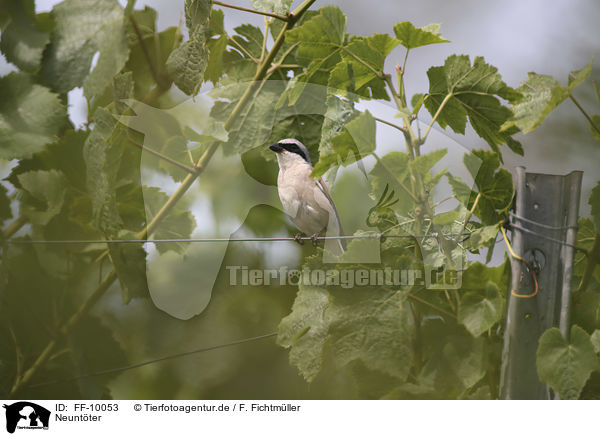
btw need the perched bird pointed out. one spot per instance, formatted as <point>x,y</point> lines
<point>306,200</point>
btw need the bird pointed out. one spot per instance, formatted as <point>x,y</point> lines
<point>306,200</point>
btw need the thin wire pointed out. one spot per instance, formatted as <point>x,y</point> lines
<point>535,223</point>
<point>304,238</point>
<point>541,235</point>
<point>148,362</point>
<point>529,268</point>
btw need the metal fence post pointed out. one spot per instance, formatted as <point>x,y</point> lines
<point>543,227</point>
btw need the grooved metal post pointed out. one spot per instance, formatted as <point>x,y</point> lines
<point>547,205</point>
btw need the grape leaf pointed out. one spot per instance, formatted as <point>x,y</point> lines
<point>187,63</point>
<point>541,95</point>
<point>30,116</point>
<point>84,27</point>
<point>178,224</point>
<point>455,366</point>
<point>494,184</point>
<point>255,122</point>
<point>374,327</point>
<point>566,365</point>
<point>319,40</point>
<point>412,37</point>
<point>356,141</point>
<point>277,6</point>
<point>94,348</point>
<point>217,46</point>
<point>472,91</point>
<point>129,261</point>
<point>102,159</point>
<point>47,188</point>
<point>479,311</point>
<point>304,331</point>
<point>23,39</point>
<point>365,58</point>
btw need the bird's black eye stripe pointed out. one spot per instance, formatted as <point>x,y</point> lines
<point>293,148</point>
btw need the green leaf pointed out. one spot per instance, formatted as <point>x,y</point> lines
<point>47,191</point>
<point>356,141</point>
<point>481,237</point>
<point>412,37</point>
<point>30,116</point>
<point>94,348</point>
<point>129,261</point>
<point>594,201</point>
<point>492,182</point>
<point>217,48</point>
<point>255,122</point>
<point>278,6</point>
<point>102,159</point>
<point>424,163</point>
<point>187,63</point>
<point>362,66</point>
<point>320,35</point>
<point>392,170</point>
<point>479,311</point>
<point>178,224</point>
<point>595,338</point>
<point>566,365</point>
<point>84,27</point>
<point>541,95</point>
<point>374,327</point>
<point>23,40</point>
<point>472,91</point>
<point>456,366</point>
<point>319,40</point>
<point>577,77</point>
<point>304,331</point>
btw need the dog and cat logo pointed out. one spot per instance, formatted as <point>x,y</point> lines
<point>26,415</point>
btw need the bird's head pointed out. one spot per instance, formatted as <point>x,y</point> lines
<point>290,151</point>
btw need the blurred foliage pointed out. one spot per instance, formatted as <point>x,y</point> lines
<point>123,176</point>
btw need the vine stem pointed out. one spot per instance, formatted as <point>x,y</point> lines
<point>14,227</point>
<point>593,257</point>
<point>157,77</point>
<point>402,129</point>
<point>252,11</point>
<point>585,114</point>
<point>437,114</point>
<point>471,212</point>
<point>164,211</point>
<point>163,157</point>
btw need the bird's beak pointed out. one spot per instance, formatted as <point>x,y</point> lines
<point>276,148</point>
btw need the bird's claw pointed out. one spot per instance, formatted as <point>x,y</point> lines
<point>298,238</point>
<point>315,239</point>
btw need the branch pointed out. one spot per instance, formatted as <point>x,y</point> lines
<point>185,185</point>
<point>585,114</point>
<point>379,74</point>
<point>252,11</point>
<point>157,77</point>
<point>437,114</point>
<point>402,129</point>
<point>14,227</point>
<point>471,212</point>
<point>592,262</point>
<point>163,157</point>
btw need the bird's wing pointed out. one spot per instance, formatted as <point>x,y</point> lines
<point>323,188</point>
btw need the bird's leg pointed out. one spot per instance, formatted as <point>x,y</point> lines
<point>315,239</point>
<point>298,238</point>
